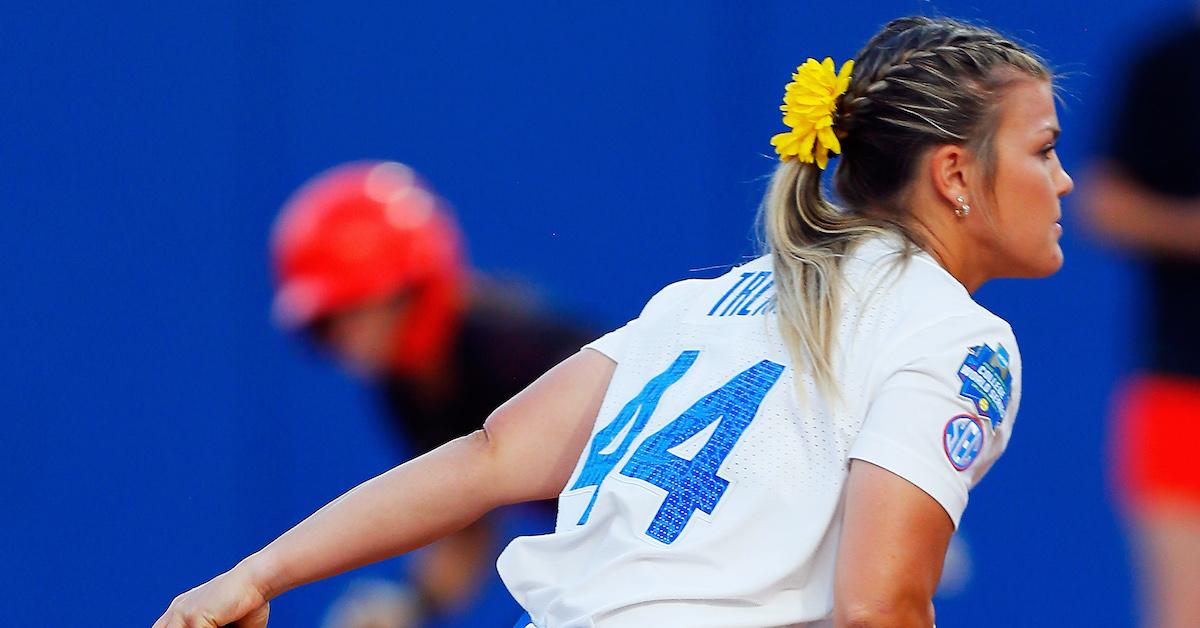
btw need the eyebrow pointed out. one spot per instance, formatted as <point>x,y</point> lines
<point>1055,131</point>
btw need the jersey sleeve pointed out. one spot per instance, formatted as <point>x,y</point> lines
<point>945,409</point>
<point>613,343</point>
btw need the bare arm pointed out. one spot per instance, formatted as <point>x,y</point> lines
<point>1131,216</point>
<point>890,557</point>
<point>526,451</point>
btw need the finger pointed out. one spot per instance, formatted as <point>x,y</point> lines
<point>169,619</point>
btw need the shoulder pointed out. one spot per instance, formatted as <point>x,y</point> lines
<point>921,309</point>
<point>970,355</point>
<point>952,323</point>
<point>687,294</point>
<point>883,275</point>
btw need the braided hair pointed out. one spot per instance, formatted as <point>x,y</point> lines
<point>920,82</point>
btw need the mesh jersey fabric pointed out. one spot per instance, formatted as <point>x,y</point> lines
<point>646,535</point>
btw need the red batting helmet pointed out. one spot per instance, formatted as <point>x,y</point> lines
<point>364,232</point>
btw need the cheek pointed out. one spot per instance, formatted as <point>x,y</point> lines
<point>1026,202</point>
<point>1021,229</point>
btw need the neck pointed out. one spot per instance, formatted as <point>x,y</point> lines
<point>947,242</point>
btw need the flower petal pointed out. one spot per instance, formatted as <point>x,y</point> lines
<point>809,104</point>
<point>844,76</point>
<point>829,140</point>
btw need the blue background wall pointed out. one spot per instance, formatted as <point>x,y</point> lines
<point>156,427</point>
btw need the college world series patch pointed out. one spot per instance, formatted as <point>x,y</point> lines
<point>963,440</point>
<point>986,381</point>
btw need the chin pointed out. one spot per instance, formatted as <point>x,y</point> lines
<point>1044,264</point>
<point>1051,264</point>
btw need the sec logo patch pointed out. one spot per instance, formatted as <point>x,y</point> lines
<point>963,440</point>
<point>987,381</point>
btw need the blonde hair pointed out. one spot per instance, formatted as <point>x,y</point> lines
<point>920,82</point>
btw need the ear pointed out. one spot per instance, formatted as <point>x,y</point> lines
<point>949,171</point>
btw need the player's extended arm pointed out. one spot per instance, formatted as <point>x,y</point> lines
<point>890,556</point>
<point>526,451</point>
<point>1131,216</point>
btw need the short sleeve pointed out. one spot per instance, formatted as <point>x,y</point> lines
<point>945,409</point>
<point>615,343</point>
<point>612,344</point>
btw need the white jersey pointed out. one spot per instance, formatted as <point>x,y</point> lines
<point>710,493</point>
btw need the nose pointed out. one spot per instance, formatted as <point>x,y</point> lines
<point>1066,183</point>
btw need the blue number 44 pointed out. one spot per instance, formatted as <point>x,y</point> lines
<point>691,485</point>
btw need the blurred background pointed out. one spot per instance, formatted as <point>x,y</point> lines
<point>158,427</point>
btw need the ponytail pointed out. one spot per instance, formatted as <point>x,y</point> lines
<point>918,83</point>
<point>808,236</point>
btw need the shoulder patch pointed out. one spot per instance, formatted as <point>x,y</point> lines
<point>963,440</point>
<point>987,381</point>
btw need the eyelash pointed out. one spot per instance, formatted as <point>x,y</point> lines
<point>1049,149</point>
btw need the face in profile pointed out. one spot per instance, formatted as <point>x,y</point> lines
<point>1021,229</point>
<point>361,338</point>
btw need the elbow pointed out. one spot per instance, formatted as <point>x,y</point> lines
<point>478,467</point>
<point>517,473</point>
<point>910,611</point>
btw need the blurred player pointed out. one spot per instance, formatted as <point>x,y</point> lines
<point>1145,198</point>
<point>789,444</point>
<point>370,267</point>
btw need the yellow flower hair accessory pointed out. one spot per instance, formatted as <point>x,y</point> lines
<point>809,103</point>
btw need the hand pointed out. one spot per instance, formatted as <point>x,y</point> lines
<point>230,597</point>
